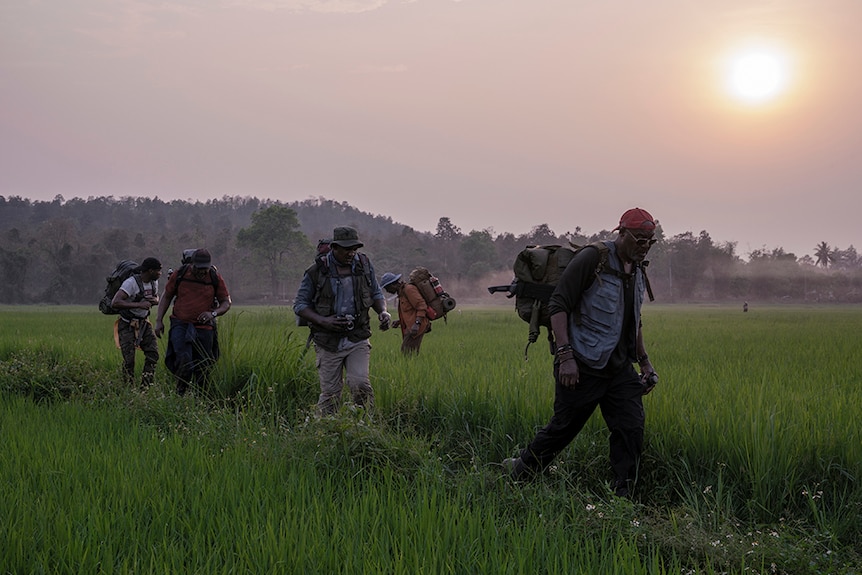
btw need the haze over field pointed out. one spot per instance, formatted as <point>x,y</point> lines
<point>738,117</point>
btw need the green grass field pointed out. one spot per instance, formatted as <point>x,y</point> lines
<point>752,464</point>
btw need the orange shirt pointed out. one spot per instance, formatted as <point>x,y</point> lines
<point>411,305</point>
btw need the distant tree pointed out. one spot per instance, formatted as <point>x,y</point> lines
<point>479,254</point>
<point>823,253</point>
<point>508,247</point>
<point>273,234</point>
<point>446,230</point>
<point>447,236</point>
<point>844,259</point>
<point>541,235</point>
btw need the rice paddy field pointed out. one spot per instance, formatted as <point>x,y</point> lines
<point>752,463</point>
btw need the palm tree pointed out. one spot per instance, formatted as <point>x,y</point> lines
<point>823,253</point>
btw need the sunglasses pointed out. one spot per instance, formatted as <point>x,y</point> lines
<point>642,242</point>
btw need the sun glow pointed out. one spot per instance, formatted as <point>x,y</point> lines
<point>757,75</point>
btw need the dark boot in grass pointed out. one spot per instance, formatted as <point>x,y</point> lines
<point>517,470</point>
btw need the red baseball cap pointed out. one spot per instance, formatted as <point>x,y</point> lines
<point>636,219</point>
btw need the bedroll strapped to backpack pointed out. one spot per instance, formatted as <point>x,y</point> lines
<point>537,271</point>
<point>439,302</point>
<point>123,270</point>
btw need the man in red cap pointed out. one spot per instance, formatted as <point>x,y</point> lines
<point>597,332</point>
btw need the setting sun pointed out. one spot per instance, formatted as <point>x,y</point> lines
<point>757,75</point>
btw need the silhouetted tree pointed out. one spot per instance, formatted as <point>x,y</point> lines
<point>823,253</point>
<point>478,254</point>
<point>541,235</point>
<point>274,233</point>
<point>446,230</point>
<point>447,236</point>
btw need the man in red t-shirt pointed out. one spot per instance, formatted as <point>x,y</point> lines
<point>199,295</point>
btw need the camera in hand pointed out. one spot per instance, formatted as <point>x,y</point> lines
<point>649,380</point>
<point>349,319</point>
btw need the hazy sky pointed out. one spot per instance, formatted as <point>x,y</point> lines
<point>499,114</point>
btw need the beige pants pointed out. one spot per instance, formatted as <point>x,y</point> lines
<point>334,367</point>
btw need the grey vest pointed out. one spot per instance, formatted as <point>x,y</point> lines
<point>595,331</point>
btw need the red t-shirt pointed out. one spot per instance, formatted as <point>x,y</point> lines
<point>194,296</point>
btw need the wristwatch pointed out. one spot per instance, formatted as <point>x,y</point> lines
<point>215,313</point>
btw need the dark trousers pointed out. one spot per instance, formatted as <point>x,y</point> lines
<point>138,334</point>
<point>620,398</point>
<point>191,354</point>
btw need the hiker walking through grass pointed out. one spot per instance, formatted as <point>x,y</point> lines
<point>137,294</point>
<point>199,295</point>
<point>336,292</point>
<point>596,319</point>
<point>412,312</point>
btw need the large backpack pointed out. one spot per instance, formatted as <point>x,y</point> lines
<point>113,282</point>
<point>537,271</point>
<point>439,302</point>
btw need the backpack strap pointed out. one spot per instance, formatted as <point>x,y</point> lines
<point>643,266</point>
<point>140,283</point>
<point>213,278</point>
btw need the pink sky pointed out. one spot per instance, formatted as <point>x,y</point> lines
<point>499,114</point>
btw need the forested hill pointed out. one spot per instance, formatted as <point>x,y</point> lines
<point>60,251</point>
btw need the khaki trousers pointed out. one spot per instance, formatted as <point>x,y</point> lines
<point>334,367</point>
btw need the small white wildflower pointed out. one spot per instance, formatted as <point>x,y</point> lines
<point>636,523</point>
<point>708,489</point>
<point>590,507</point>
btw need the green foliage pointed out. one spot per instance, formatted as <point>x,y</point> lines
<point>752,462</point>
<point>60,251</point>
<point>44,375</point>
<point>274,238</point>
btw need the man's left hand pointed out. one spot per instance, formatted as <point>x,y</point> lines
<point>649,379</point>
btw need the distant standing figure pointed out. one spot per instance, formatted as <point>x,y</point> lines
<point>336,292</point>
<point>745,306</point>
<point>412,312</point>
<point>199,294</point>
<point>138,293</point>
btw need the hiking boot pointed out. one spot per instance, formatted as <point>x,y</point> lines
<point>623,489</point>
<point>516,469</point>
<point>147,380</point>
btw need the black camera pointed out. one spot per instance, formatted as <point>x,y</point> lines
<point>349,319</point>
<point>649,380</point>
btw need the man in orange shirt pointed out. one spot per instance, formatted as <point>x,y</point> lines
<point>412,312</point>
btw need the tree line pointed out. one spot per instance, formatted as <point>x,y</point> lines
<point>60,251</point>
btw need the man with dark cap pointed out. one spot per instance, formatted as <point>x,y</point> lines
<point>596,320</point>
<point>136,295</point>
<point>412,312</point>
<point>199,295</point>
<point>334,298</point>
